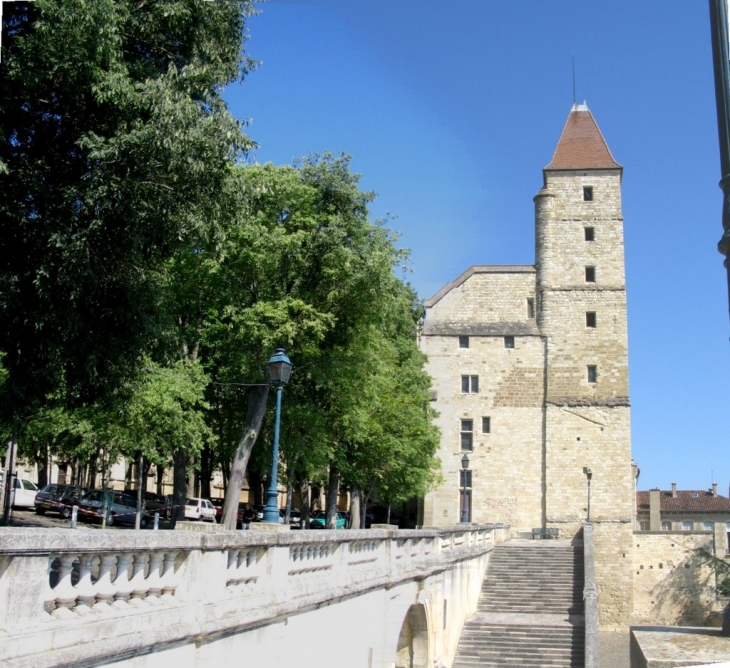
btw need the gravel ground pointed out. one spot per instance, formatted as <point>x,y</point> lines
<point>26,517</point>
<point>614,650</point>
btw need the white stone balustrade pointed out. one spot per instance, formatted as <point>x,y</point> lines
<point>93,596</point>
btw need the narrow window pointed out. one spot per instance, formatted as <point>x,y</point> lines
<point>463,342</point>
<point>465,495</point>
<point>687,526</point>
<point>587,193</point>
<point>590,274</point>
<point>592,374</point>
<point>709,526</point>
<point>590,233</point>
<point>530,308</point>
<point>486,425</point>
<point>509,341</point>
<point>470,384</point>
<point>666,525</point>
<point>590,319</point>
<point>467,434</point>
<point>644,525</point>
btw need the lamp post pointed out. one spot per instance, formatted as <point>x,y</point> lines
<point>589,475</point>
<point>721,66</point>
<point>464,467</point>
<point>278,370</point>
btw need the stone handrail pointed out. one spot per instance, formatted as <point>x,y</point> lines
<point>590,598</point>
<point>72,591</point>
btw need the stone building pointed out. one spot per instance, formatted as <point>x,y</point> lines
<point>530,372</point>
<point>688,511</point>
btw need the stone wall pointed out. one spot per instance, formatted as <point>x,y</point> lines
<point>671,583</point>
<point>506,463</point>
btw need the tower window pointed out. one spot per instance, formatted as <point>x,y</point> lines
<point>592,374</point>
<point>530,308</point>
<point>587,193</point>
<point>463,342</point>
<point>591,319</point>
<point>470,384</point>
<point>590,233</point>
<point>467,434</point>
<point>590,274</point>
<point>486,425</point>
<point>509,341</point>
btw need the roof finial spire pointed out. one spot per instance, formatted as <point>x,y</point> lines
<point>573,79</point>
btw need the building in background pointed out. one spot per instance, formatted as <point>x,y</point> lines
<point>530,373</point>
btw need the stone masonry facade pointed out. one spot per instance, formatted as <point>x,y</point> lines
<point>530,373</point>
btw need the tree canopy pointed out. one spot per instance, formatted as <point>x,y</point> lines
<point>147,272</point>
<point>114,144</point>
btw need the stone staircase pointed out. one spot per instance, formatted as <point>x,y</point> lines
<point>530,610</point>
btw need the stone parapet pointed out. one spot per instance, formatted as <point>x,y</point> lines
<point>78,598</point>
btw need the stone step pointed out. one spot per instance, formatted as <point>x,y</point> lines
<point>533,586</point>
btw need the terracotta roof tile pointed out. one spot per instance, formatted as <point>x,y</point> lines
<point>581,145</point>
<point>687,501</point>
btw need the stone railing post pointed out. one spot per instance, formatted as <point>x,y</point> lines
<point>590,598</point>
<point>24,589</point>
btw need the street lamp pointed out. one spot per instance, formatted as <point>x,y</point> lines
<point>589,475</point>
<point>464,467</point>
<point>278,371</point>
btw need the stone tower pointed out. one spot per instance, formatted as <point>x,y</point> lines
<point>530,372</point>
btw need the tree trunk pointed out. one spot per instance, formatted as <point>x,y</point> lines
<point>255,412</point>
<point>305,507</point>
<point>180,488</point>
<point>289,498</point>
<point>190,473</point>
<point>206,471</point>
<point>160,476</point>
<point>354,507</point>
<point>43,466</point>
<point>333,490</point>
<point>8,477</point>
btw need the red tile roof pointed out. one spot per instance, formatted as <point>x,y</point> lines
<point>687,501</point>
<point>582,145</point>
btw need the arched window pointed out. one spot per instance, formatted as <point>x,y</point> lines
<point>666,525</point>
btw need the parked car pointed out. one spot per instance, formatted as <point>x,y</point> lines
<point>154,503</point>
<point>319,520</point>
<point>218,505</point>
<point>24,493</point>
<point>121,507</point>
<point>199,509</point>
<point>259,510</point>
<point>58,499</point>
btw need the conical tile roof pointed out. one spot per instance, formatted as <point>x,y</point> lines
<point>581,144</point>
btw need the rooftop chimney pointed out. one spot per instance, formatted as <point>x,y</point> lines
<point>655,523</point>
<point>714,489</point>
<point>674,490</point>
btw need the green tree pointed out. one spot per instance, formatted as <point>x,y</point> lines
<point>115,145</point>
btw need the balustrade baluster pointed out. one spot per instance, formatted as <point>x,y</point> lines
<point>122,582</point>
<point>64,592</point>
<point>139,583</point>
<point>169,577</point>
<point>154,578</point>
<point>85,589</point>
<point>105,589</point>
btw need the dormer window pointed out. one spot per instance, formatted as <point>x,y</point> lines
<point>587,193</point>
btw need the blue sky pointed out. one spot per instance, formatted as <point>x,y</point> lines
<point>450,111</point>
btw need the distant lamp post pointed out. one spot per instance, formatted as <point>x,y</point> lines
<point>278,371</point>
<point>589,475</point>
<point>464,467</point>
